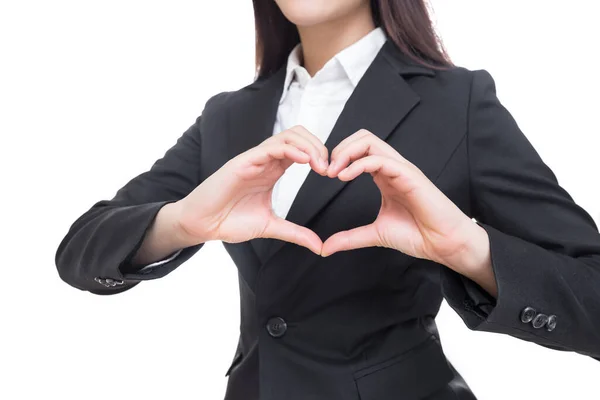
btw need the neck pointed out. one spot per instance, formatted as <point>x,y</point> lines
<point>323,41</point>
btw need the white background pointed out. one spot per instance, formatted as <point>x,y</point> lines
<point>93,92</point>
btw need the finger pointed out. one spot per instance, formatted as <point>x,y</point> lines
<point>280,151</point>
<point>301,141</point>
<point>375,164</point>
<point>420,196</point>
<point>282,229</point>
<point>363,236</point>
<point>357,149</point>
<point>361,133</point>
<point>314,139</point>
<point>365,146</point>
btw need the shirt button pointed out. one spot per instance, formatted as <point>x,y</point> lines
<point>276,326</point>
<point>528,314</point>
<point>540,320</point>
<point>551,324</point>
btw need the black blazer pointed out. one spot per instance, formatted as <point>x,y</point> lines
<point>360,324</point>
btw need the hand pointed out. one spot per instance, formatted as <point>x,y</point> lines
<point>234,204</point>
<point>415,218</point>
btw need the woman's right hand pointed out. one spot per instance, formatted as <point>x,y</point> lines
<point>234,204</point>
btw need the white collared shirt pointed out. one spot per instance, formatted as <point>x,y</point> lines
<point>315,103</point>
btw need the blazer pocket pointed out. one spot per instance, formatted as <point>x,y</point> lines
<point>237,358</point>
<point>410,375</point>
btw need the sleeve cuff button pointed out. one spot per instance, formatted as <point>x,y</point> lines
<point>108,282</point>
<point>551,324</point>
<point>528,314</point>
<point>539,321</point>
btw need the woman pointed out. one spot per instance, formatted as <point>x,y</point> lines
<point>357,182</point>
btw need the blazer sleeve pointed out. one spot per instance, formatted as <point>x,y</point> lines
<point>95,255</point>
<point>545,249</point>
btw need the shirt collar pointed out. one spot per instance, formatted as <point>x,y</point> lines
<point>354,59</point>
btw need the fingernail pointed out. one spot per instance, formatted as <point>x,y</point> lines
<point>332,165</point>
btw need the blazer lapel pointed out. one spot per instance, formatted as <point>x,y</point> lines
<point>251,117</point>
<point>380,101</point>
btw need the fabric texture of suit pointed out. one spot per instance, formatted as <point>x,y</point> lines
<point>360,324</point>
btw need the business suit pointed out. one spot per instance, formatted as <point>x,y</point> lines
<point>359,324</point>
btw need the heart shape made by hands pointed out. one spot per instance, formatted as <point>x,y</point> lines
<point>415,216</point>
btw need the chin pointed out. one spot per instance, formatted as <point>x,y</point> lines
<point>315,12</point>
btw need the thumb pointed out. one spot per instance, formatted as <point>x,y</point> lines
<point>363,236</point>
<point>282,229</point>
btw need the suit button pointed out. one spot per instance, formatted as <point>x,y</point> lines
<point>102,281</point>
<point>276,326</point>
<point>551,324</point>
<point>540,320</point>
<point>108,282</point>
<point>528,314</point>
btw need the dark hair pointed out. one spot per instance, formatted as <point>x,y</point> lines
<point>406,22</point>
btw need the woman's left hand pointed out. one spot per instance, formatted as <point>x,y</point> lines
<point>415,218</point>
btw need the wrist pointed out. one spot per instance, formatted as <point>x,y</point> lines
<point>475,262</point>
<point>173,213</point>
<point>474,256</point>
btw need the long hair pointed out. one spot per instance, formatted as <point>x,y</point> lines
<point>406,22</point>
